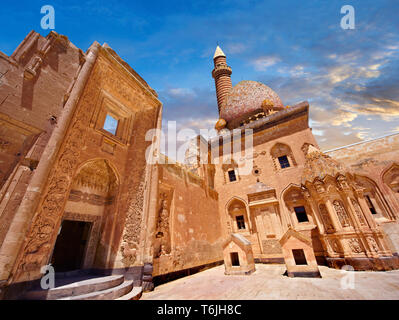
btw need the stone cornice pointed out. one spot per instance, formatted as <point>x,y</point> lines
<point>110,54</point>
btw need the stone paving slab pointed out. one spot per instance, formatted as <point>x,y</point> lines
<point>269,283</point>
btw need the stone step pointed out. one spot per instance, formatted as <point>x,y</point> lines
<point>76,287</point>
<point>108,294</point>
<point>135,294</point>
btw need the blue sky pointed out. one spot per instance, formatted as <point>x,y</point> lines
<point>350,77</point>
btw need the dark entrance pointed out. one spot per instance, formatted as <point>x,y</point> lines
<point>70,247</point>
<point>235,261</point>
<point>299,256</point>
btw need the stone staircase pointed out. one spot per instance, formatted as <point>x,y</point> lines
<point>78,286</point>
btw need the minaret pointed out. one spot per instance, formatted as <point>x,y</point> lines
<point>221,74</point>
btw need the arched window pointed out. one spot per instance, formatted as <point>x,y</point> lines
<point>238,214</point>
<point>282,157</point>
<point>374,198</point>
<point>296,204</point>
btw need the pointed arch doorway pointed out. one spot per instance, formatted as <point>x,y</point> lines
<point>85,234</point>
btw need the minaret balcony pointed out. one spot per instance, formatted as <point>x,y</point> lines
<point>221,70</point>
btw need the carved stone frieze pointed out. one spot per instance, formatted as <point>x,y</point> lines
<point>355,245</point>
<point>90,198</point>
<point>358,212</point>
<point>372,244</point>
<point>326,218</point>
<point>131,233</point>
<point>341,213</point>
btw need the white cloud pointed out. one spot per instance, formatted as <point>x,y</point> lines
<point>180,92</point>
<point>234,48</point>
<point>262,63</point>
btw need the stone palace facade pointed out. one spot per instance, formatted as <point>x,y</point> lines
<point>77,191</point>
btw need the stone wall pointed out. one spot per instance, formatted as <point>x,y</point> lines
<point>192,237</point>
<point>34,83</point>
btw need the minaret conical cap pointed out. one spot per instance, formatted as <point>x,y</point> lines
<point>219,53</point>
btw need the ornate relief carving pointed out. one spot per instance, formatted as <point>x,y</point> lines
<point>342,182</point>
<point>334,245</point>
<point>341,213</point>
<point>131,233</point>
<point>305,192</point>
<point>358,212</point>
<point>373,244</point>
<point>96,175</point>
<point>163,229</point>
<point>355,246</point>
<point>90,198</point>
<point>326,218</point>
<point>42,234</point>
<point>319,185</point>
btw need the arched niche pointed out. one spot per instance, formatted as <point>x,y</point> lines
<point>89,214</point>
<point>302,216</point>
<point>374,198</point>
<point>238,214</point>
<point>299,210</point>
<point>282,157</point>
<point>391,178</point>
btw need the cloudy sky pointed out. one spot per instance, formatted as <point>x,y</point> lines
<point>298,48</point>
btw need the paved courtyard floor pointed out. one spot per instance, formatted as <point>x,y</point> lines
<point>269,283</point>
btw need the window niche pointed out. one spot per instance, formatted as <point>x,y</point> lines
<point>230,172</point>
<point>113,120</point>
<point>301,214</point>
<point>238,215</point>
<point>111,124</point>
<point>232,175</point>
<point>284,162</point>
<point>240,222</point>
<point>295,202</point>
<point>282,157</point>
<point>374,198</point>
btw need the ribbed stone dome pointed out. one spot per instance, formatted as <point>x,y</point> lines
<point>246,99</point>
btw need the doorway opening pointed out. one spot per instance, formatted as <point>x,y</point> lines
<point>299,256</point>
<point>70,247</point>
<point>235,261</point>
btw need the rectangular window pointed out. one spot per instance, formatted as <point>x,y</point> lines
<point>299,256</point>
<point>371,206</point>
<point>235,261</point>
<point>110,124</point>
<point>301,214</point>
<point>240,222</point>
<point>232,176</point>
<point>284,163</point>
